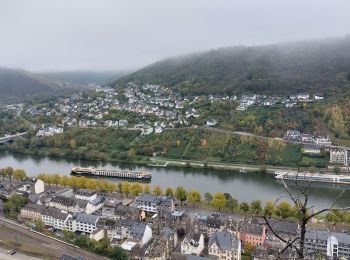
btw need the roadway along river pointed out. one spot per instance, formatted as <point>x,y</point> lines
<point>244,187</point>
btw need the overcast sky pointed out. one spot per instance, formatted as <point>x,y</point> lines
<point>41,35</point>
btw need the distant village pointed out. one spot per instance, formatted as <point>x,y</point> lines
<point>169,109</point>
<point>149,227</point>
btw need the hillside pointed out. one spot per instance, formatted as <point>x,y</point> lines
<point>315,66</point>
<point>84,77</point>
<point>19,85</point>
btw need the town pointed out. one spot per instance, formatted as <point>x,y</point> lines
<point>152,224</point>
<point>149,108</point>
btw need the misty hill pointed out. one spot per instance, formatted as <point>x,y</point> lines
<point>84,77</point>
<point>282,69</point>
<point>19,85</point>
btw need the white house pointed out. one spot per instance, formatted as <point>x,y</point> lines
<point>211,122</point>
<point>83,194</point>
<point>55,218</point>
<point>192,245</point>
<point>95,205</point>
<point>141,233</point>
<point>39,186</point>
<point>86,223</point>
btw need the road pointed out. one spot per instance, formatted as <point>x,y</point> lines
<point>218,130</point>
<point>163,162</point>
<point>17,256</point>
<point>25,240</point>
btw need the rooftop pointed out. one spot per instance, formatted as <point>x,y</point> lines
<point>224,240</point>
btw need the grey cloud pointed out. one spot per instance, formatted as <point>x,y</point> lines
<point>111,34</point>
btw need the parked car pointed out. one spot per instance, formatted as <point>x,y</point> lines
<point>11,252</point>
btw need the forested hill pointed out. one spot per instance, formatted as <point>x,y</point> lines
<point>19,85</point>
<point>314,66</point>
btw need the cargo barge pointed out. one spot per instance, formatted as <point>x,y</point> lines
<point>120,174</point>
<point>313,177</point>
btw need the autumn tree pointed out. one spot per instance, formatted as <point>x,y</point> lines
<point>180,194</point>
<point>146,188</point>
<point>9,172</point>
<point>244,206</point>
<point>102,185</point>
<point>56,179</point>
<point>193,197</point>
<point>219,200</point>
<point>19,174</point>
<point>232,204</point>
<point>208,197</point>
<point>136,189</point>
<point>72,144</point>
<point>169,192</point>
<point>157,190</point>
<point>284,209</point>
<point>269,209</point>
<point>126,188</point>
<point>3,173</point>
<point>64,181</point>
<point>110,187</point>
<point>256,207</point>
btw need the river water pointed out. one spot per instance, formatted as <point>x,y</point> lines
<point>244,187</point>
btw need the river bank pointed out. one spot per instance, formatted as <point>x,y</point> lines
<point>243,187</point>
<point>169,162</point>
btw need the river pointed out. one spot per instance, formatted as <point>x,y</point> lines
<point>244,187</point>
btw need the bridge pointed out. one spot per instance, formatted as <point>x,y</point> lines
<point>9,138</point>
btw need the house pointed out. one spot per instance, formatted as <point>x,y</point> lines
<point>55,218</point>
<point>254,234</point>
<point>38,187</point>
<point>159,250</point>
<point>98,234</point>
<point>340,156</point>
<point>285,229</point>
<point>119,229</point>
<point>66,204</point>
<point>208,224</point>
<point>303,96</point>
<point>211,122</point>
<point>158,130</point>
<point>193,244</point>
<point>224,245</point>
<point>84,194</point>
<point>50,131</point>
<point>85,223</point>
<point>171,236</point>
<point>151,203</point>
<point>307,138</point>
<point>108,209</point>
<point>123,123</point>
<point>318,96</point>
<point>330,244</point>
<point>32,212</point>
<point>312,149</point>
<point>126,212</point>
<point>273,253</point>
<point>95,204</point>
<point>292,135</point>
<point>323,140</point>
<point>141,233</point>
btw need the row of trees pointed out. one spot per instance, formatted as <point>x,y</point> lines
<point>9,172</point>
<point>219,201</point>
<point>77,182</point>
